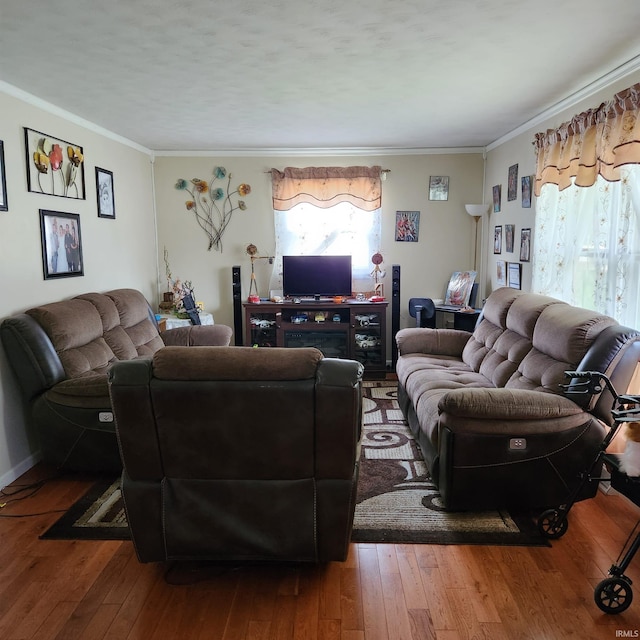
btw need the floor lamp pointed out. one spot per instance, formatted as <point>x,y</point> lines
<point>476,211</point>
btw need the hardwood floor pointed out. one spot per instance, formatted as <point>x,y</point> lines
<point>97,590</point>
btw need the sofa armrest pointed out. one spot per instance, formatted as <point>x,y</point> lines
<point>508,411</point>
<point>217,335</point>
<point>443,342</point>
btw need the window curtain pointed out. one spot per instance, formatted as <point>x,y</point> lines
<point>325,187</point>
<point>328,211</point>
<point>587,230</point>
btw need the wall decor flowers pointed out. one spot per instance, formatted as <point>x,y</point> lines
<point>213,205</point>
<point>54,166</point>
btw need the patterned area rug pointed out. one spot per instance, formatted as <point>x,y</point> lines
<point>396,499</point>
<point>398,502</point>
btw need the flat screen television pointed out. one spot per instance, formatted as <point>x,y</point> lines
<point>311,276</point>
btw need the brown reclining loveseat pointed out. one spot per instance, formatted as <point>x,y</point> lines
<point>60,354</point>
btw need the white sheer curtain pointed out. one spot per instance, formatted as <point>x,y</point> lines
<point>587,245</point>
<point>339,230</point>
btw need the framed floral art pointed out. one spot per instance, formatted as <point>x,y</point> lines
<point>54,167</point>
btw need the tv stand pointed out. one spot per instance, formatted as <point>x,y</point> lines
<point>353,330</point>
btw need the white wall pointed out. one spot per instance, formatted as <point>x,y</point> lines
<point>117,253</point>
<point>446,237</point>
<point>518,149</point>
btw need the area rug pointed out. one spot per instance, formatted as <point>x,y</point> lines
<point>397,501</point>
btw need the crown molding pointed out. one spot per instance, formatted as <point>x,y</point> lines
<point>314,152</point>
<point>29,98</point>
<point>586,92</point>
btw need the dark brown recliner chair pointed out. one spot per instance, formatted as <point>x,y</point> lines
<point>236,453</point>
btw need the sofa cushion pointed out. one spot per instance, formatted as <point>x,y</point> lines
<point>76,332</point>
<point>135,321</point>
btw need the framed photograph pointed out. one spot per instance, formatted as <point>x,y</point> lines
<point>4,206</point>
<point>514,273</point>
<point>438,187</point>
<point>61,244</point>
<point>104,194</point>
<point>54,166</point>
<point>497,198</point>
<point>525,245</point>
<point>497,239</point>
<point>509,232</point>
<point>407,226</point>
<point>512,190</point>
<point>501,276</point>
<point>526,191</point>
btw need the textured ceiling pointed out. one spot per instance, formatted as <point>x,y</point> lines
<point>311,74</point>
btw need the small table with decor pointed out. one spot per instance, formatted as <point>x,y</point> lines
<point>171,321</point>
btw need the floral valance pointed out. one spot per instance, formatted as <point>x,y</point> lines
<point>325,187</point>
<point>596,142</point>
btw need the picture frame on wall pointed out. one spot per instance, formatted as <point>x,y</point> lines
<point>4,205</point>
<point>55,167</point>
<point>526,192</point>
<point>501,276</point>
<point>514,274</point>
<point>104,194</point>
<point>512,184</point>
<point>438,187</point>
<point>61,244</point>
<point>497,198</point>
<point>407,226</point>
<point>497,239</point>
<point>525,245</point>
<point>509,233</point>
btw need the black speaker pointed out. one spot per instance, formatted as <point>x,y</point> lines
<point>395,311</point>
<point>237,305</point>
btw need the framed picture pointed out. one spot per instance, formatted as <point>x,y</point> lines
<point>407,226</point>
<point>104,194</point>
<point>438,187</point>
<point>497,239</point>
<point>514,273</point>
<point>459,288</point>
<point>501,276</point>
<point>3,181</point>
<point>509,232</point>
<point>497,198</point>
<point>61,244</point>
<point>526,192</point>
<point>54,166</point>
<point>512,189</point>
<point>525,245</point>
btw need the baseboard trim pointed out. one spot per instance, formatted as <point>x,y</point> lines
<point>15,472</point>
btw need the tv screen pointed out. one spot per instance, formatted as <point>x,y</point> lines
<point>316,276</point>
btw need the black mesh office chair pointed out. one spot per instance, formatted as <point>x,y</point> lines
<point>424,311</point>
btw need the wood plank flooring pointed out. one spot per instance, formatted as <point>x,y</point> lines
<point>67,590</point>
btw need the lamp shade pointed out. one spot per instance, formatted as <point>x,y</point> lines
<point>476,210</point>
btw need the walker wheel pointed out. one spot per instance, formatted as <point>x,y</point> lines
<point>552,524</point>
<point>613,595</point>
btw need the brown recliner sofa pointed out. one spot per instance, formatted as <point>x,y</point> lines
<point>487,408</point>
<point>237,453</point>
<point>60,354</point>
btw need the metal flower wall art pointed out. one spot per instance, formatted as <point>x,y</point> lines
<point>213,205</point>
<point>57,164</point>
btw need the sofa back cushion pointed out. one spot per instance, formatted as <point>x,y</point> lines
<point>76,332</point>
<point>562,336</point>
<point>527,340</point>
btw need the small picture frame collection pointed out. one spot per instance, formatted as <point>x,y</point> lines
<point>55,167</point>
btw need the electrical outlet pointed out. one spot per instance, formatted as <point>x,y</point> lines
<point>517,444</point>
<point>105,416</point>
